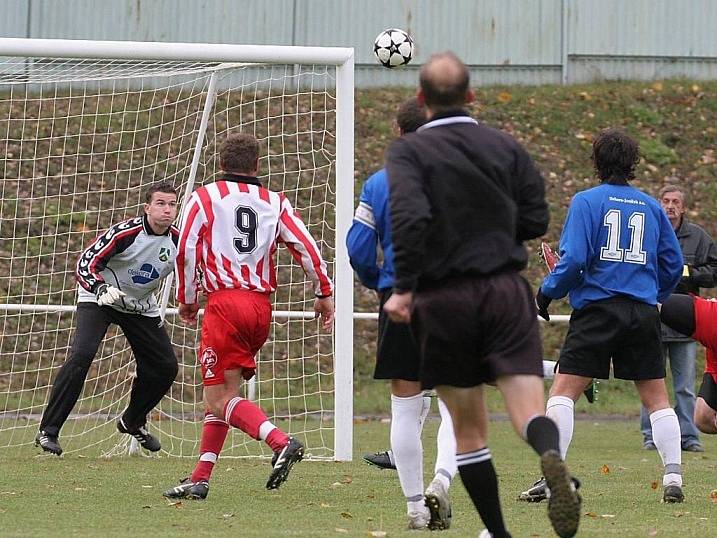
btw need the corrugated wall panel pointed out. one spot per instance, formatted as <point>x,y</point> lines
<point>490,32</point>
<point>643,27</point>
<point>13,21</point>
<point>205,21</point>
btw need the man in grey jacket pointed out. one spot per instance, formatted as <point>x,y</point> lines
<point>700,254</point>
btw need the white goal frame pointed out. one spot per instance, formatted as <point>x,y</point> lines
<point>343,60</point>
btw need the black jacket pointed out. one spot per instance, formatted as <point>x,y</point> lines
<point>463,199</point>
<point>700,254</point>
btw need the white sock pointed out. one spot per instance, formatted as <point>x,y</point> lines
<point>446,467</point>
<point>406,444</point>
<point>425,410</point>
<point>416,506</point>
<point>549,369</point>
<point>561,410</point>
<point>666,435</point>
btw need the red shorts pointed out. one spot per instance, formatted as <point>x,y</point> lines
<point>706,332</point>
<point>235,326</point>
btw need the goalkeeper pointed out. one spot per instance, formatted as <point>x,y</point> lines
<point>117,276</point>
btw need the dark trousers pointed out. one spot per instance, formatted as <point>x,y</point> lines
<point>153,352</point>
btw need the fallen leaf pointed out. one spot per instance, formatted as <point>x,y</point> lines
<point>177,504</point>
<point>504,97</point>
<point>325,505</point>
<point>377,534</point>
<point>654,484</point>
<point>343,531</point>
<point>607,515</point>
<point>147,486</point>
<point>347,480</point>
<point>227,516</point>
<point>346,515</point>
<point>336,485</point>
<point>80,489</point>
<point>653,532</point>
<point>146,506</point>
<point>713,495</point>
<point>605,469</point>
<point>657,86</point>
<point>591,514</point>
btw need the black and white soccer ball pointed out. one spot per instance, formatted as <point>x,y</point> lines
<point>393,48</point>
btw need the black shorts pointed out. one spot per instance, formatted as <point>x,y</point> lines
<point>471,330</point>
<point>396,351</point>
<point>619,329</point>
<point>708,391</point>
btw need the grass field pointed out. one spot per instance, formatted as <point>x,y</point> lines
<point>83,496</point>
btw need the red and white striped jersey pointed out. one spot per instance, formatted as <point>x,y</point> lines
<point>230,230</point>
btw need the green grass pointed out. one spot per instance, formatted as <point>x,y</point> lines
<point>84,496</point>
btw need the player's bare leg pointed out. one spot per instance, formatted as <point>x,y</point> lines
<point>705,417</point>
<point>542,433</point>
<point>470,424</point>
<point>666,435</point>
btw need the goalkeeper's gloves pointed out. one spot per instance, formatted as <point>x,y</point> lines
<point>107,295</point>
<point>542,302</point>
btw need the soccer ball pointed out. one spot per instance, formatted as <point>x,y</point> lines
<point>393,48</point>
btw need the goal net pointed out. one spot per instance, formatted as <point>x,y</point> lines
<point>86,128</point>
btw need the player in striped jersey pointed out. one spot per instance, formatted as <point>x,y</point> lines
<point>229,232</point>
<point>117,276</point>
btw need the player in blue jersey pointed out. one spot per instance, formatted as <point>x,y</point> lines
<point>397,356</point>
<point>619,257</point>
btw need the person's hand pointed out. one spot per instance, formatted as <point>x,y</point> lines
<point>188,313</point>
<point>542,302</point>
<point>107,295</point>
<point>398,307</point>
<point>324,309</point>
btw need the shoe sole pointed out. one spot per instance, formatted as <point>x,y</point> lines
<point>440,514</point>
<point>279,476</point>
<point>564,502</point>
<point>673,498</point>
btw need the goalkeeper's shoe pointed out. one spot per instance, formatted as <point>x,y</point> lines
<point>382,460</point>
<point>292,453</point>
<point>49,443</point>
<point>146,439</point>
<point>189,490</point>
<point>591,391</point>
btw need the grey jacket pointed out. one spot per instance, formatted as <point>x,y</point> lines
<point>700,254</point>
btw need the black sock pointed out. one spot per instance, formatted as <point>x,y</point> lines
<point>542,434</point>
<point>479,478</point>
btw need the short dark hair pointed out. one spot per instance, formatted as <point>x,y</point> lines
<point>443,91</point>
<point>160,186</point>
<point>411,115</point>
<point>239,153</point>
<point>615,155</point>
<point>671,187</point>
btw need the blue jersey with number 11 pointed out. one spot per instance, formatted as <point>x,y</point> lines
<point>616,241</point>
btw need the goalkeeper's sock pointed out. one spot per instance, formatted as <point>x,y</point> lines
<point>666,435</point>
<point>214,433</point>
<point>561,410</point>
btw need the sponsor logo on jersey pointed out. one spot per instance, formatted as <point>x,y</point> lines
<point>145,274</point>
<point>209,358</point>
<point>163,254</point>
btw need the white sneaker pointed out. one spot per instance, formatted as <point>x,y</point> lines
<point>485,534</point>
<point>439,505</point>
<point>418,520</point>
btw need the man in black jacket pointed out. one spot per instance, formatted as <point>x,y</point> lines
<point>700,254</point>
<point>463,199</point>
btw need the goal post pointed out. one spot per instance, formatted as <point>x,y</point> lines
<point>86,127</point>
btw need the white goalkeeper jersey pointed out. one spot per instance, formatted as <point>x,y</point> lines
<point>229,233</point>
<point>131,257</point>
